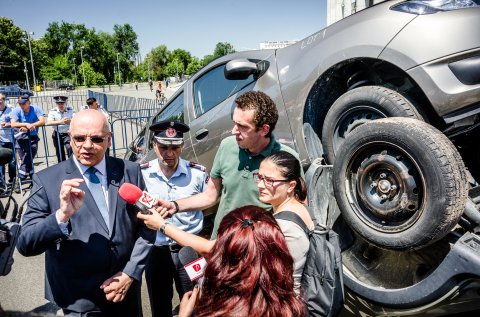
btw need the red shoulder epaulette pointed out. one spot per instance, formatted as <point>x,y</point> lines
<point>198,166</point>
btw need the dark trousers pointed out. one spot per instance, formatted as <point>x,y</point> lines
<point>61,141</point>
<point>27,150</point>
<point>131,306</point>
<point>163,267</point>
<point>11,165</point>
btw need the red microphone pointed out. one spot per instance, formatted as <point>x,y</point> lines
<point>135,196</point>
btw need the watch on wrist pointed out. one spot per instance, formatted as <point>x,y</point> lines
<point>162,228</point>
<point>177,209</point>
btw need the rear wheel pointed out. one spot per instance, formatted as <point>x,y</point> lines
<point>358,106</point>
<point>400,183</point>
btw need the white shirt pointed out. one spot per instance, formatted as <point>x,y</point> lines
<point>185,182</point>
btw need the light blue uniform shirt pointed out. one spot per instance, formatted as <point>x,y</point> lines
<point>33,116</point>
<point>185,182</point>
<point>6,133</point>
<point>56,115</point>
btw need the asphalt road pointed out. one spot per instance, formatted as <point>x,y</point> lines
<point>23,288</point>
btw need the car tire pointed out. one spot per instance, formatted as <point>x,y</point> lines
<point>358,106</point>
<point>400,183</point>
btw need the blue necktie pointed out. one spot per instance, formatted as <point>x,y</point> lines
<point>97,192</point>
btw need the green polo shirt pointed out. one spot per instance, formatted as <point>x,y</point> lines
<point>235,166</point>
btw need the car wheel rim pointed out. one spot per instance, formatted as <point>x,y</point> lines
<point>350,120</point>
<point>386,187</point>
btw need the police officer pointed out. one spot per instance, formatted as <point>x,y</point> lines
<point>61,116</point>
<point>26,118</point>
<point>170,177</point>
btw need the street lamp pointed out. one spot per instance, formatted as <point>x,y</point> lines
<point>26,73</point>
<point>31,59</point>
<point>119,72</point>
<point>75,72</point>
<point>83,65</point>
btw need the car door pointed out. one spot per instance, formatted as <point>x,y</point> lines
<point>211,107</point>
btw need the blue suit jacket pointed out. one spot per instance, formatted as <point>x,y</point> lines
<point>78,264</point>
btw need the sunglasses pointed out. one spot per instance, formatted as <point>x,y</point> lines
<point>83,138</point>
<point>267,180</point>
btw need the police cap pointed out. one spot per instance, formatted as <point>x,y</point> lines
<point>169,132</point>
<point>60,99</point>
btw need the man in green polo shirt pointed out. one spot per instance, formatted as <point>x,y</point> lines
<point>237,158</point>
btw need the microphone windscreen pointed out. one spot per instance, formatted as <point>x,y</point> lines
<point>130,193</point>
<point>6,155</point>
<point>187,255</point>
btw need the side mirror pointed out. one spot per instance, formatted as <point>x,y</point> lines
<point>241,69</point>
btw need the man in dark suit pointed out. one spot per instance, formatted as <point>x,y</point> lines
<point>95,248</point>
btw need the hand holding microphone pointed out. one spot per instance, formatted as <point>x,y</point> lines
<point>193,264</point>
<point>166,208</point>
<point>143,201</point>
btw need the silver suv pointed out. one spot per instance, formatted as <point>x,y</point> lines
<point>390,98</point>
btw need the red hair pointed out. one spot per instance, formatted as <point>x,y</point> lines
<point>250,270</point>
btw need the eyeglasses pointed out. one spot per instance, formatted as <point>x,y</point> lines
<point>83,138</point>
<point>267,180</point>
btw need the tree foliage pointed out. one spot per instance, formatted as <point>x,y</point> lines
<point>58,54</point>
<point>194,66</point>
<point>223,48</point>
<point>13,51</point>
<point>59,68</point>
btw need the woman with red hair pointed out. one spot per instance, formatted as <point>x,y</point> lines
<point>249,268</point>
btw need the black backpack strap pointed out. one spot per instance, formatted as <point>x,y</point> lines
<point>293,217</point>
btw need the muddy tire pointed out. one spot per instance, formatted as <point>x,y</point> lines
<point>399,183</point>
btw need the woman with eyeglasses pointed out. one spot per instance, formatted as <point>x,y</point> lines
<point>281,185</point>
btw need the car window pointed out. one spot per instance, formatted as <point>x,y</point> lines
<point>212,88</point>
<point>137,147</point>
<point>173,111</point>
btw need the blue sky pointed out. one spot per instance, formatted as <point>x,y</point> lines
<point>193,25</point>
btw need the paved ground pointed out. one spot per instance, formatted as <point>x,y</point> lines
<point>22,289</point>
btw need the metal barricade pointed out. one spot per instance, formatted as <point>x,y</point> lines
<point>128,116</point>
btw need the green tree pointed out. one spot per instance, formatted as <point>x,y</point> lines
<point>72,39</point>
<point>59,68</point>
<point>194,66</point>
<point>156,60</point>
<point>207,59</point>
<point>125,43</point>
<point>181,56</point>
<point>92,77</point>
<point>40,55</point>
<point>174,68</point>
<point>223,48</point>
<point>13,51</point>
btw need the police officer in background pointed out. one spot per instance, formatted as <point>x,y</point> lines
<point>61,116</point>
<point>170,177</point>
